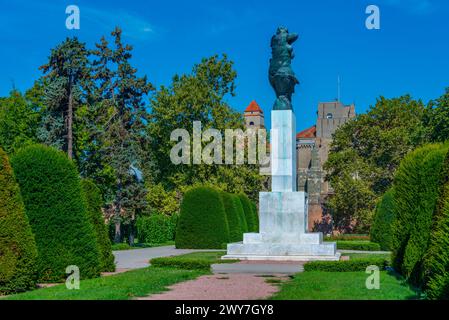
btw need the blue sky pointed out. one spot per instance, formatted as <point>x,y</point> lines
<point>410,54</point>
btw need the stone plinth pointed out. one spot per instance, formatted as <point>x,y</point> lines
<point>283,212</point>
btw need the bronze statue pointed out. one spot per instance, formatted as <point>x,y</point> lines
<point>281,75</point>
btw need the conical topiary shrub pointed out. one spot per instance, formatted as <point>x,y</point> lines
<point>18,251</point>
<point>202,223</point>
<point>240,212</point>
<point>94,204</point>
<point>57,211</point>
<point>381,230</point>
<point>234,223</point>
<point>251,219</point>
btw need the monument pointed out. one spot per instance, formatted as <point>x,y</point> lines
<point>283,211</point>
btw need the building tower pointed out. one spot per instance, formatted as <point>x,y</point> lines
<point>254,117</point>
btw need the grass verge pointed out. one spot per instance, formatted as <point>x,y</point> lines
<point>124,286</point>
<point>317,285</point>
<point>126,246</point>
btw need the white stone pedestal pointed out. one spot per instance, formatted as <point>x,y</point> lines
<point>283,212</point>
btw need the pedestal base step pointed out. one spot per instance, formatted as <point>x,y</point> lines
<point>335,257</point>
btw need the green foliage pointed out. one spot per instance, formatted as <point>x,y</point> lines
<point>381,231</point>
<point>203,223</point>
<point>57,212</point>
<point>198,96</point>
<point>250,215</point>
<point>357,245</point>
<point>18,251</point>
<point>437,118</point>
<point>19,119</point>
<point>436,259</point>
<point>156,228</point>
<point>94,205</point>
<point>232,214</point>
<point>161,200</point>
<point>364,155</point>
<point>346,266</point>
<point>415,195</point>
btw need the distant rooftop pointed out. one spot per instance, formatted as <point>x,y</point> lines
<point>253,107</point>
<point>308,133</point>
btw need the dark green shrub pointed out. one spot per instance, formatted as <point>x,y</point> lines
<point>56,209</point>
<point>381,230</point>
<point>436,260</point>
<point>346,266</point>
<point>156,228</point>
<point>235,229</point>
<point>202,223</point>
<point>415,195</point>
<point>240,213</point>
<point>250,215</point>
<point>357,245</point>
<point>94,205</point>
<point>18,251</point>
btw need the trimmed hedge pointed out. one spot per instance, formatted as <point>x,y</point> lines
<point>94,204</point>
<point>202,223</point>
<point>381,230</point>
<point>436,260</point>
<point>357,245</point>
<point>18,251</point>
<point>55,206</point>
<point>250,215</point>
<point>232,214</point>
<point>349,237</point>
<point>415,194</point>
<point>156,228</point>
<point>345,266</point>
<point>181,263</point>
<point>240,213</point>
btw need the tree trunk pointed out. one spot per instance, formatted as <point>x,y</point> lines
<point>70,124</point>
<point>118,209</point>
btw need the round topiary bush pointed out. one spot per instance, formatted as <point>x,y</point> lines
<point>381,230</point>
<point>415,193</point>
<point>57,211</point>
<point>94,204</point>
<point>202,223</point>
<point>436,259</point>
<point>240,213</point>
<point>156,229</point>
<point>250,215</point>
<point>235,228</point>
<point>18,251</point>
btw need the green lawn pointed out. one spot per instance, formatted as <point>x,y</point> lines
<point>128,285</point>
<point>212,256</point>
<point>316,285</point>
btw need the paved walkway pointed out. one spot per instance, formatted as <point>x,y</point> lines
<point>259,267</point>
<point>139,258</point>
<point>221,287</point>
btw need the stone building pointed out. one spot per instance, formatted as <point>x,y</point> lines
<point>312,145</point>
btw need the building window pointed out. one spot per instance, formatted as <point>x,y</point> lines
<point>329,116</point>
<point>251,123</point>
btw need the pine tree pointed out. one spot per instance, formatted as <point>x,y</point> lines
<point>120,134</point>
<point>66,76</point>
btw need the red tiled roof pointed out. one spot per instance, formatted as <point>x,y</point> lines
<point>308,133</point>
<point>253,107</point>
